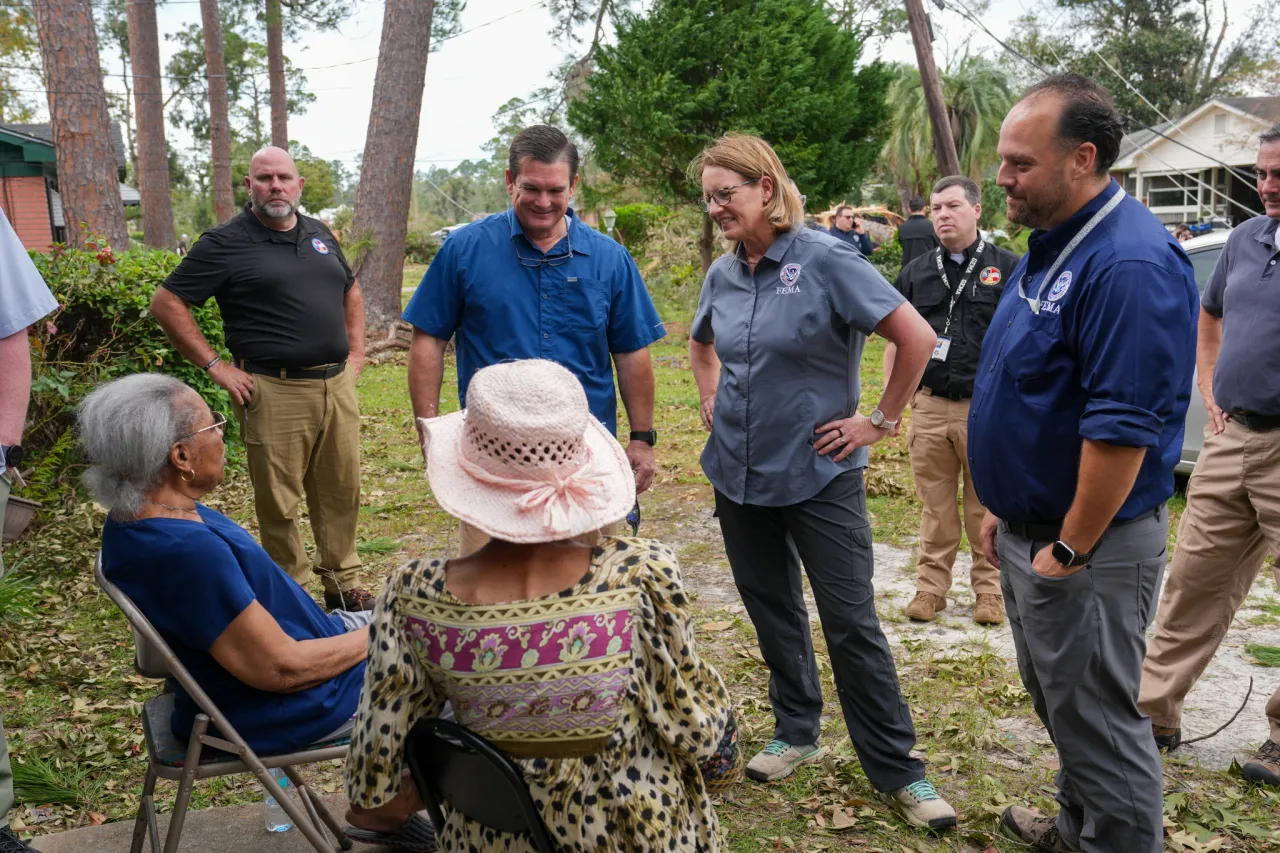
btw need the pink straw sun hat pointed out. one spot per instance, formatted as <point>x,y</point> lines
<point>526,462</point>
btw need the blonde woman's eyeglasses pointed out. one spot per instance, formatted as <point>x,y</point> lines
<point>722,196</point>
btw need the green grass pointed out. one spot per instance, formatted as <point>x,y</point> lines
<point>1264,655</point>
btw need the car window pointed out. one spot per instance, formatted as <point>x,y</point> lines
<point>1204,261</point>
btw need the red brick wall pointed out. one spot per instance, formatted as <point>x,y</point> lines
<point>26,205</point>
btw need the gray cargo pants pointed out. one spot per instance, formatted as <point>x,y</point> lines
<point>830,535</point>
<point>1080,642</point>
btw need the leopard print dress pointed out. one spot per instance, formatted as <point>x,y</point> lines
<point>596,691</point>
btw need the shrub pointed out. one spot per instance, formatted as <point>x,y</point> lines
<point>887,258</point>
<point>635,223</point>
<point>420,247</point>
<point>102,329</point>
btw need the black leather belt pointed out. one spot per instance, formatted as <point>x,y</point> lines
<point>292,372</point>
<point>953,396</point>
<point>1053,532</point>
<point>1256,423</point>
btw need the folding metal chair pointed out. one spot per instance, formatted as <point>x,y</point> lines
<point>450,763</point>
<point>170,758</point>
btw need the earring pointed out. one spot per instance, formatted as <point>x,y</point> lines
<point>185,479</point>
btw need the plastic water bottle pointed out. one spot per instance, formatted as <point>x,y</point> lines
<point>277,819</point>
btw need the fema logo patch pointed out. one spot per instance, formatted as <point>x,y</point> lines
<point>989,275</point>
<point>1059,288</point>
<point>790,274</point>
<point>319,245</point>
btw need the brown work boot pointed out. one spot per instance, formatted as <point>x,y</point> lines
<point>1035,830</point>
<point>350,599</point>
<point>1264,767</point>
<point>989,609</point>
<point>925,606</point>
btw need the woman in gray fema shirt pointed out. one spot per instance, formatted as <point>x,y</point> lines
<point>775,346</point>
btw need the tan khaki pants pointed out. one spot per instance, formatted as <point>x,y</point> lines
<point>472,539</point>
<point>304,435</point>
<point>1232,518</point>
<point>938,446</point>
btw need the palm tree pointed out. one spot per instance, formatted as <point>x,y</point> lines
<point>978,96</point>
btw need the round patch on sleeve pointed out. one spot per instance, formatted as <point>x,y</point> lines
<point>319,245</point>
<point>989,275</point>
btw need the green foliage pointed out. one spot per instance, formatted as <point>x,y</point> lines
<point>887,258</point>
<point>635,222</point>
<point>1264,655</point>
<point>420,247</point>
<point>102,329</point>
<point>691,70</point>
<point>18,47</point>
<point>18,595</point>
<point>37,781</point>
<point>321,188</point>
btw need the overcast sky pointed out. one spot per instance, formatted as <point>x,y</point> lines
<point>504,52</point>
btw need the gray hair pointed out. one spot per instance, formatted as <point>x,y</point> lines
<point>126,429</point>
<point>1271,134</point>
<point>972,193</point>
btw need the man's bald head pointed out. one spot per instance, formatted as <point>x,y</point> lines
<point>274,187</point>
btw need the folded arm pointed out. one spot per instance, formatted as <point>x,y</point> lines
<point>256,650</point>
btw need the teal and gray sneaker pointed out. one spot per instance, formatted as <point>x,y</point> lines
<point>780,759</point>
<point>919,805</point>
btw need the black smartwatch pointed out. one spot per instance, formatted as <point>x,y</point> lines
<point>1064,554</point>
<point>13,454</point>
<point>649,437</point>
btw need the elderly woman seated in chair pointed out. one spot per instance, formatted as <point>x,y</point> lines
<point>285,673</point>
<point>572,652</point>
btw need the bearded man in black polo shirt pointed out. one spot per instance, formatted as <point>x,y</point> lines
<point>294,322</point>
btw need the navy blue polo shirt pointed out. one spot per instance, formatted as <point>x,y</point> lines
<point>1109,358</point>
<point>576,313</point>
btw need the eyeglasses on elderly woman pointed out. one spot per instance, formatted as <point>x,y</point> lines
<point>219,423</point>
<point>722,196</point>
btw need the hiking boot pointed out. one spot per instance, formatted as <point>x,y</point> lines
<point>925,606</point>
<point>10,843</point>
<point>1040,833</point>
<point>1167,740</point>
<point>989,610</point>
<point>780,759</point>
<point>919,805</point>
<point>1264,767</point>
<point>350,599</point>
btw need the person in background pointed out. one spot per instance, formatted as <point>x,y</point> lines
<point>1182,233</point>
<point>182,246</point>
<point>294,321</point>
<point>956,288</point>
<point>578,662</point>
<point>915,234</point>
<point>24,300</point>
<point>849,229</point>
<point>1074,430</point>
<point>775,346</point>
<point>1232,519</point>
<point>534,282</point>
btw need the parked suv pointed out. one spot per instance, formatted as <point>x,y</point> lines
<point>1204,252</point>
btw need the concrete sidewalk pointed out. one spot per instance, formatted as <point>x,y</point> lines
<point>235,829</point>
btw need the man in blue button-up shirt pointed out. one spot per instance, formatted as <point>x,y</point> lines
<point>534,282</point>
<point>1075,426</point>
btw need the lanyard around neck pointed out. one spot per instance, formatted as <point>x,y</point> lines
<point>1111,205</point>
<point>964,279</point>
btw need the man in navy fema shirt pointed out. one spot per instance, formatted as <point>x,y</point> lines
<point>534,282</point>
<point>1075,426</point>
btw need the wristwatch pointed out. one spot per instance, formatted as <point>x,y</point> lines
<point>879,421</point>
<point>649,437</point>
<point>11,455</point>
<point>1068,556</point>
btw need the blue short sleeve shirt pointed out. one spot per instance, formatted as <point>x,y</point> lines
<point>24,297</point>
<point>1108,358</point>
<point>789,338</point>
<point>577,312</point>
<point>191,581</point>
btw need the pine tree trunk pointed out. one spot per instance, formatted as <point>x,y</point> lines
<point>386,174</point>
<point>224,203</point>
<point>153,150</point>
<point>705,243</point>
<point>88,180</point>
<point>275,71</point>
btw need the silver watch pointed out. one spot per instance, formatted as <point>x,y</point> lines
<point>879,421</point>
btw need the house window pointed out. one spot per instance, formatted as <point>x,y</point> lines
<point>1170,191</point>
<point>1220,124</point>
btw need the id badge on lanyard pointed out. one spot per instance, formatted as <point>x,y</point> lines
<point>943,346</point>
<point>1034,302</point>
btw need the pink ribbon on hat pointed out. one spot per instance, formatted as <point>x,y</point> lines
<point>563,500</point>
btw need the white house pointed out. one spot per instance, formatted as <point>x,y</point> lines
<point>1160,171</point>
